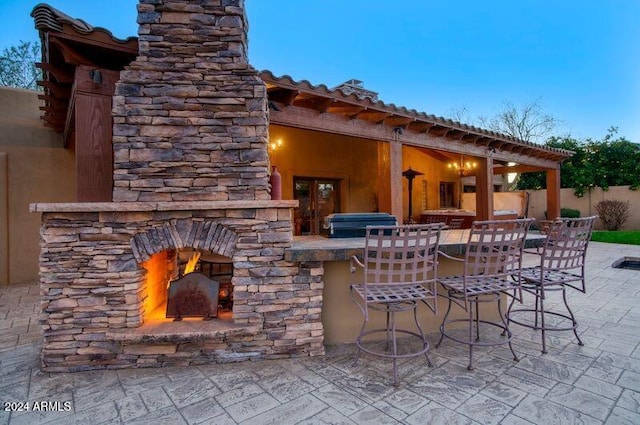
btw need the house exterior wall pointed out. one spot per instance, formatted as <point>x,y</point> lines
<point>34,167</point>
<point>306,153</point>
<point>434,172</point>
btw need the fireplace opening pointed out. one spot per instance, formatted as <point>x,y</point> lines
<point>187,284</point>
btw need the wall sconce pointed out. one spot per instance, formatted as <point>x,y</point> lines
<point>275,145</point>
<point>463,168</point>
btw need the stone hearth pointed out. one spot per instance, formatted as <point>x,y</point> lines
<point>190,171</point>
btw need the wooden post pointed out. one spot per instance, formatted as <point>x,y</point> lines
<point>395,178</point>
<point>384,182</point>
<point>484,189</point>
<point>553,193</point>
<point>92,94</point>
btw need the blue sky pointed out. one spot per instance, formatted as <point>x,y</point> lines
<point>580,59</point>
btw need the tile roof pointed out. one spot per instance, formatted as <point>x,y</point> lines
<point>421,121</point>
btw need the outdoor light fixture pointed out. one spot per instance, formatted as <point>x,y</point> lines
<point>410,175</point>
<point>274,145</point>
<point>96,76</point>
<point>463,168</point>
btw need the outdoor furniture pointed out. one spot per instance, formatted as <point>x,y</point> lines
<point>432,219</point>
<point>399,272</point>
<point>562,258</point>
<point>456,223</point>
<point>493,254</point>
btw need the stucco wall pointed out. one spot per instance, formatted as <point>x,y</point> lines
<point>586,204</point>
<point>307,153</point>
<point>34,167</point>
<point>434,172</point>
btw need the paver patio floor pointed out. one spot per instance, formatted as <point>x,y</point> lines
<point>594,384</point>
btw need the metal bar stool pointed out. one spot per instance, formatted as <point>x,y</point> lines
<point>399,272</point>
<point>562,259</point>
<point>493,254</point>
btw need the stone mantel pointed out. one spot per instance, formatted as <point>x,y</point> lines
<point>158,206</point>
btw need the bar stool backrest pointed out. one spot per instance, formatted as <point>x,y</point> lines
<point>565,247</point>
<point>401,254</point>
<point>494,248</point>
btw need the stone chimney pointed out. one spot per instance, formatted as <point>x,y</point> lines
<point>190,114</point>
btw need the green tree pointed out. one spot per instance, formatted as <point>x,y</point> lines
<point>18,66</point>
<point>596,163</point>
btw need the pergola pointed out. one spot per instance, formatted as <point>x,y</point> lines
<point>81,65</point>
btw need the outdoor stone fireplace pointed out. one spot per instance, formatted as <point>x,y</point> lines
<point>190,172</point>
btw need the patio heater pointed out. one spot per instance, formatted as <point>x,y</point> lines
<point>410,175</point>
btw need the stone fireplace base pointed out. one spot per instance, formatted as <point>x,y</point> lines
<point>94,286</point>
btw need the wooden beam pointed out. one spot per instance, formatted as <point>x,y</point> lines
<point>419,126</point>
<point>553,193</point>
<point>346,110</point>
<point>396,121</point>
<point>53,101</point>
<point>438,130</point>
<point>484,189</point>
<point>373,116</point>
<point>293,116</point>
<point>90,115</point>
<point>516,169</point>
<point>395,177</point>
<point>60,91</point>
<point>282,95</point>
<point>383,185</point>
<point>61,75</point>
<point>99,38</point>
<point>439,155</point>
<point>70,54</point>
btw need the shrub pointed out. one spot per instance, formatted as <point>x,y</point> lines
<point>613,213</point>
<point>569,213</point>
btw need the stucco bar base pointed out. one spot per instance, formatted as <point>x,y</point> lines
<point>93,285</point>
<point>342,319</point>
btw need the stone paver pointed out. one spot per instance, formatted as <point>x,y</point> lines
<point>595,384</point>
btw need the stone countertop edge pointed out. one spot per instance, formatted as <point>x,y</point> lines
<point>158,206</point>
<point>319,248</point>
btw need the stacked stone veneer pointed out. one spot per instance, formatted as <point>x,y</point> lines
<point>190,114</point>
<point>93,286</point>
<point>190,170</point>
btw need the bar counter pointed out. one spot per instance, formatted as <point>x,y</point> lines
<point>341,318</point>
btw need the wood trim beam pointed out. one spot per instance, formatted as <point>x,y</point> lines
<point>53,101</point>
<point>553,193</point>
<point>348,111</point>
<point>396,121</point>
<point>395,176</point>
<point>419,127</point>
<point>282,95</point>
<point>99,39</point>
<point>58,90</point>
<point>70,55</point>
<point>61,75</point>
<point>86,81</point>
<point>373,116</point>
<point>484,189</point>
<point>517,169</point>
<point>297,117</point>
